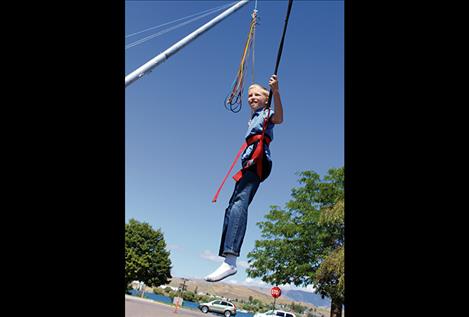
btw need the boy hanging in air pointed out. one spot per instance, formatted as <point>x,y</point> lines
<point>256,167</point>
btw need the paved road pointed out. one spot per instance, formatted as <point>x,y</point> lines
<point>140,307</point>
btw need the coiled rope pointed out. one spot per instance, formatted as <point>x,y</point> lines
<point>233,101</point>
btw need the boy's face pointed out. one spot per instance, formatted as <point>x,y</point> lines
<point>257,98</point>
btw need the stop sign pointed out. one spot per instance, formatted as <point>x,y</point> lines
<point>276,292</point>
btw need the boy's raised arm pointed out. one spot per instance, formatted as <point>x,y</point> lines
<point>277,117</point>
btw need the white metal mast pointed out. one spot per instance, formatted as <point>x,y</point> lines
<point>139,72</point>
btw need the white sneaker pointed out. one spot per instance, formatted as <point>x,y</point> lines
<point>222,272</point>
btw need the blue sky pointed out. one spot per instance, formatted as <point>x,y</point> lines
<point>180,139</point>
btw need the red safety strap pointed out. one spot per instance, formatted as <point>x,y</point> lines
<point>256,156</point>
<point>242,148</point>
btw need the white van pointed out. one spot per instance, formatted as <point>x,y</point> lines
<point>270,313</point>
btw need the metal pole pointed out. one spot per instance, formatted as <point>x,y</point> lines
<point>148,66</point>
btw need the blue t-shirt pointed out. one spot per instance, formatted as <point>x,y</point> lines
<point>255,127</point>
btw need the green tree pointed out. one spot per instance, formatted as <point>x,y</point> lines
<point>330,274</point>
<point>172,294</point>
<point>203,298</point>
<point>158,290</point>
<point>146,258</point>
<point>188,296</point>
<point>303,243</point>
<point>298,308</point>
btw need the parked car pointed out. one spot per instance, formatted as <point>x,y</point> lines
<point>219,306</point>
<point>270,313</point>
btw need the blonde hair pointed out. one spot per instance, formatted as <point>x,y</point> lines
<point>264,90</point>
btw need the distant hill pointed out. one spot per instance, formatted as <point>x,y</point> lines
<point>300,296</point>
<point>239,292</point>
<point>231,291</point>
<point>307,297</point>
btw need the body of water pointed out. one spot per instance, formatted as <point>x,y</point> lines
<point>186,304</point>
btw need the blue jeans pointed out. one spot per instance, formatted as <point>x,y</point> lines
<point>236,215</point>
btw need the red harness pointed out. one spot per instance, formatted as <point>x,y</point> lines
<point>256,157</point>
